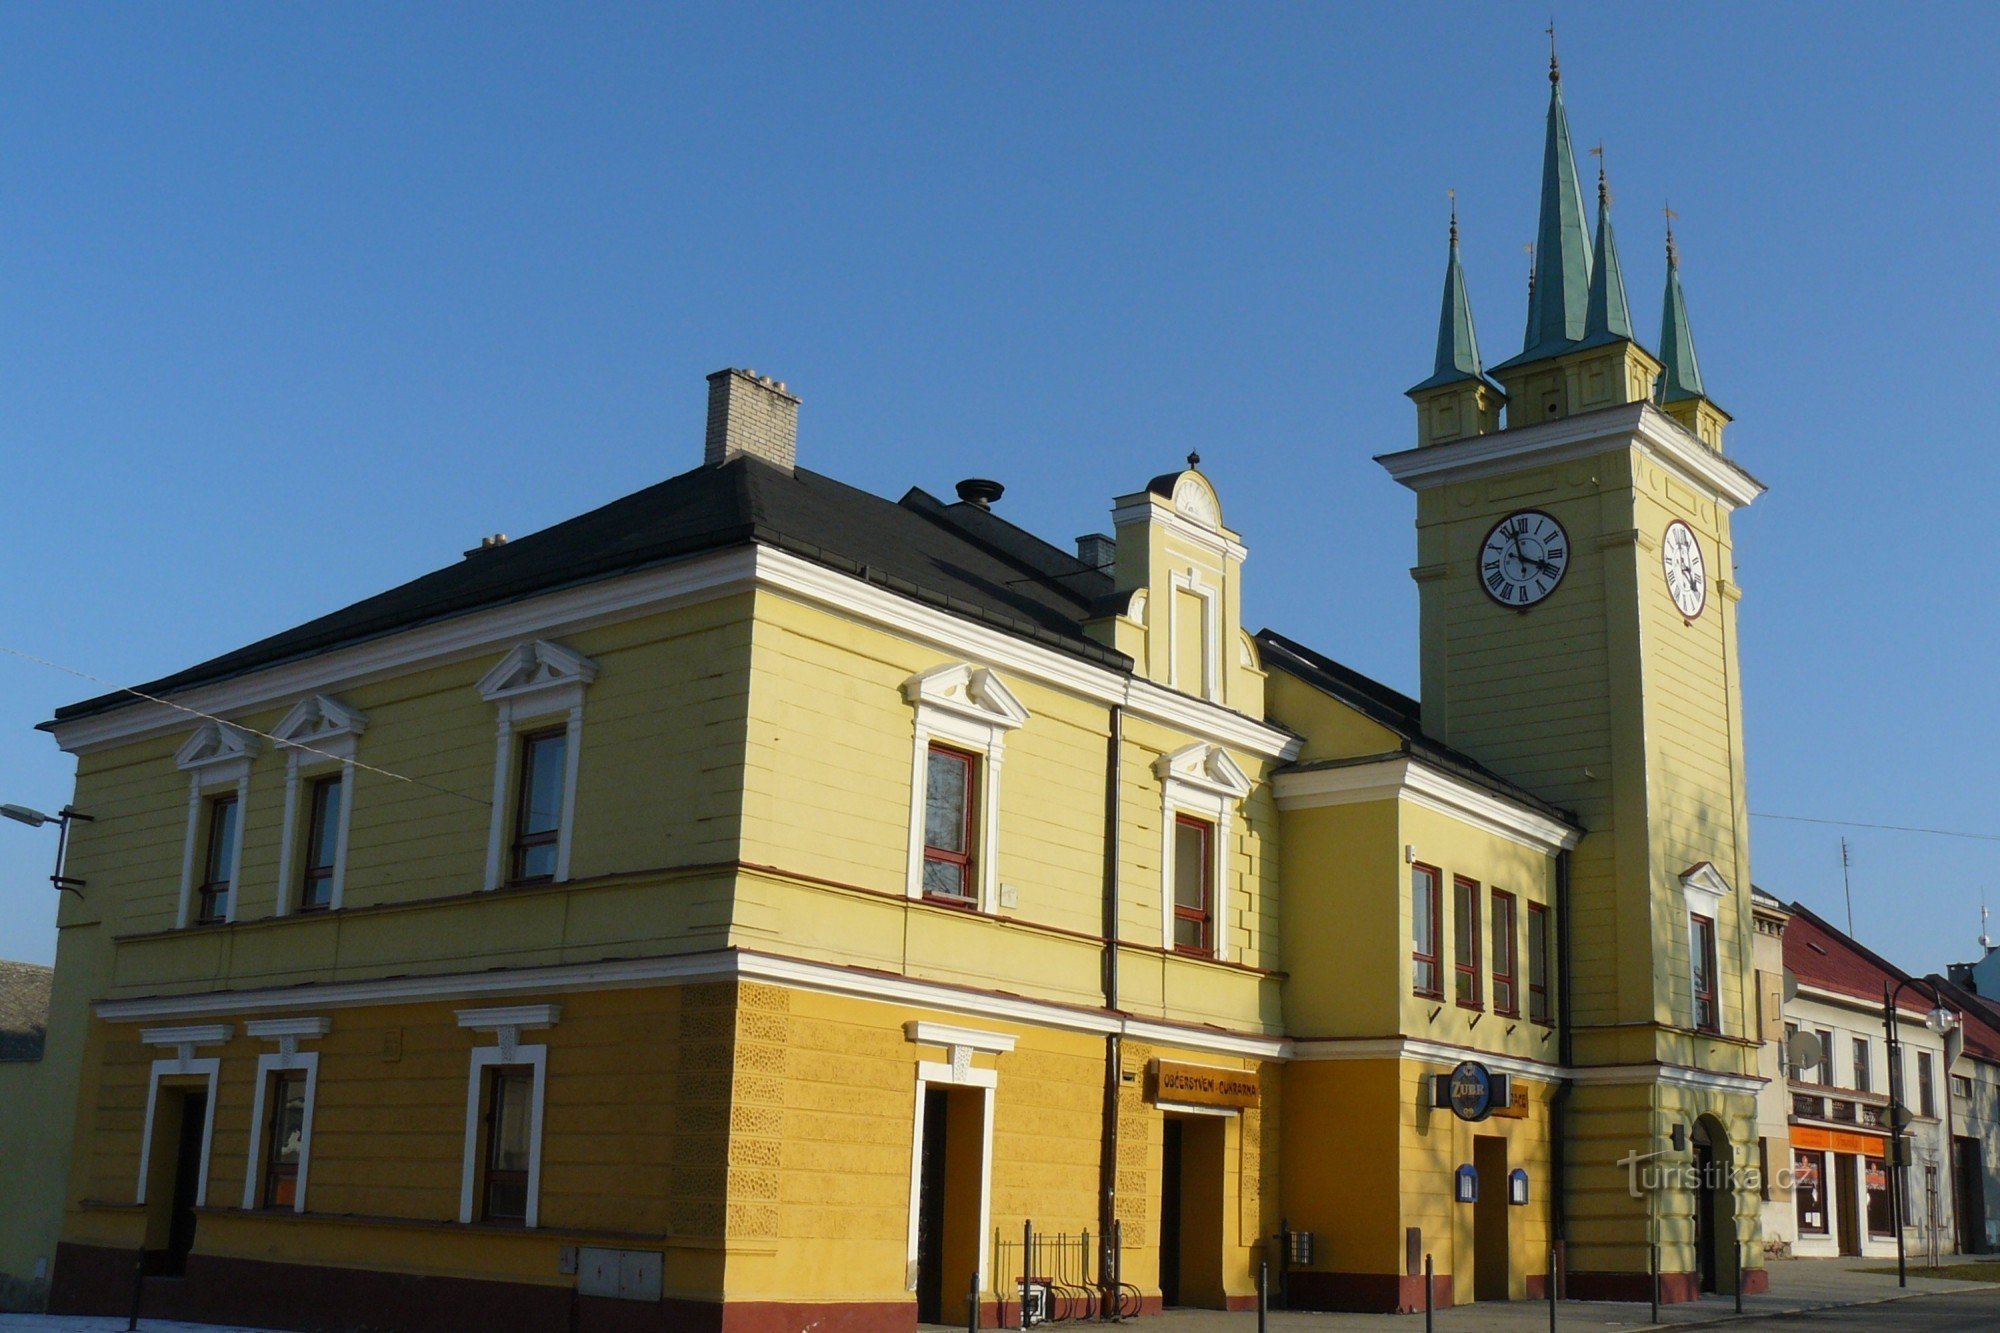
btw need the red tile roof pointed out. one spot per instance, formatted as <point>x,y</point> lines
<point>1822,957</point>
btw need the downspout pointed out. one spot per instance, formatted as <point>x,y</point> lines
<point>1114,1055</point>
<point>1559,1105</point>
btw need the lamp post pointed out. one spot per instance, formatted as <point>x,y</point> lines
<point>1938,1020</point>
<point>68,815</point>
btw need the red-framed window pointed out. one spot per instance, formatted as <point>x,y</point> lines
<point>510,1091</point>
<point>1194,885</point>
<point>1538,964</point>
<point>1707,1017</point>
<point>322,838</point>
<point>538,805</point>
<point>283,1138</point>
<point>1465,937</point>
<point>1506,992</point>
<point>1426,928</point>
<point>951,802</point>
<point>218,861</point>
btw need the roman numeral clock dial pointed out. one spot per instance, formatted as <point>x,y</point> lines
<point>1523,558</point>
<point>1687,575</point>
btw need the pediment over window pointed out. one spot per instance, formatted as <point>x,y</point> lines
<point>972,693</point>
<point>1702,881</point>
<point>537,668</point>
<point>320,718</point>
<point>1205,767</point>
<point>215,744</point>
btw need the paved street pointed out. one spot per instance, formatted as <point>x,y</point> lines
<point>1965,1310</point>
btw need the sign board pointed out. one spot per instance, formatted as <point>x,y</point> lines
<point>1474,1092</point>
<point>1517,1103</point>
<point>1200,1085</point>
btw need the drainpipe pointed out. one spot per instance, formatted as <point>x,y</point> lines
<point>1114,1055</point>
<point>1559,1105</point>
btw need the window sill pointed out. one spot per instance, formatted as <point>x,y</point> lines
<point>1427,995</point>
<point>1185,951</point>
<point>1476,1006</point>
<point>952,901</point>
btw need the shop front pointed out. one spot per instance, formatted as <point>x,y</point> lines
<point>1841,1192</point>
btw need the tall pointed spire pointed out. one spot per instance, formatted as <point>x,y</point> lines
<point>1457,344</point>
<point>1458,399</point>
<point>1681,376</point>
<point>1562,241</point>
<point>1609,314</point>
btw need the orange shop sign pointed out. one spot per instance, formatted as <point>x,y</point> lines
<point>1199,1085</point>
<point>1836,1140</point>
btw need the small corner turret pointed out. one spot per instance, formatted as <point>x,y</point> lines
<point>1457,400</point>
<point>1681,394</point>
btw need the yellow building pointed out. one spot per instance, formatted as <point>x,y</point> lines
<point>757,904</point>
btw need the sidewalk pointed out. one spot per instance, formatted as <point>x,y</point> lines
<point>1796,1285</point>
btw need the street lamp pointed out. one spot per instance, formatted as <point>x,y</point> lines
<point>1940,1021</point>
<point>68,815</point>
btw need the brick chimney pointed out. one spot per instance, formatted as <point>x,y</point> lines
<point>751,414</point>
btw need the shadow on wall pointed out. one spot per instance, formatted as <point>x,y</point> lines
<point>20,1295</point>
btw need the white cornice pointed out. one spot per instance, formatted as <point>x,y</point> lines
<point>1681,1076</point>
<point>1583,436</point>
<point>701,578</point>
<point>510,1016</point>
<point>188,1034</point>
<point>1431,1052</point>
<point>1409,778</point>
<point>276,1029</point>
<point>925,1033</point>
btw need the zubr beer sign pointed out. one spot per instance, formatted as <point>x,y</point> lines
<point>1200,1085</point>
<point>1473,1092</point>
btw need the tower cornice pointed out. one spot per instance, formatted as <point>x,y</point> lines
<point>1582,436</point>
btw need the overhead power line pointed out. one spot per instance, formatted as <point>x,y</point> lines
<point>1892,828</point>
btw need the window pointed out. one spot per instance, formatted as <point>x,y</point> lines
<point>1538,964</point>
<point>1809,1191</point>
<point>1926,1091</point>
<point>509,1112</point>
<point>1194,884</point>
<point>1505,1000</point>
<point>1861,1079</point>
<point>951,792</point>
<point>284,1136</point>
<point>1785,1050</point>
<point>1764,1169</point>
<point>1881,1216</point>
<point>539,805</point>
<point>1826,1059</point>
<point>1426,906</point>
<point>1961,1086</point>
<point>219,860</point>
<point>1706,1016</point>
<point>1465,934</point>
<point>322,840</point>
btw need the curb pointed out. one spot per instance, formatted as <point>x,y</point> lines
<point>1819,1309</point>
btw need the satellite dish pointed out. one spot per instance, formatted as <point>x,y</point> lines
<point>1804,1051</point>
<point>1791,985</point>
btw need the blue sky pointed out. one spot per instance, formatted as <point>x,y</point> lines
<point>297,302</point>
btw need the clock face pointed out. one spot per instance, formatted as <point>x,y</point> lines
<point>1523,558</point>
<point>1687,576</point>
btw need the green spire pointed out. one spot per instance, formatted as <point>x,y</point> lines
<point>1681,376</point>
<point>1610,314</point>
<point>1562,244</point>
<point>1457,344</point>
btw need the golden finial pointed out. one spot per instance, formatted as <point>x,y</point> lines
<point>1555,70</point>
<point>1673,252</point>
<point>1453,196</point>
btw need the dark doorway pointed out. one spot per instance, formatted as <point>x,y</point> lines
<point>1491,1279</point>
<point>950,1174</point>
<point>1706,1268</point>
<point>187,1184</point>
<point>1970,1196</point>
<point>1170,1214</point>
<point>930,1209</point>
<point>1846,1203</point>
<point>1715,1249</point>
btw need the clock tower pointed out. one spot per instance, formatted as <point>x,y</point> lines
<point>1579,638</point>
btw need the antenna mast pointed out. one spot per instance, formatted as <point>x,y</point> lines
<point>1846,888</point>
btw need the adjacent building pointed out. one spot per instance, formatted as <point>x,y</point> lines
<point>32,1202</point>
<point>1975,1109</point>
<point>759,904</point>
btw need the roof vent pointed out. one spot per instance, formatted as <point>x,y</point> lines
<point>1097,550</point>
<point>754,415</point>
<point>979,491</point>
<point>498,539</point>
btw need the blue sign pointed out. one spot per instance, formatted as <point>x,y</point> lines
<point>1471,1091</point>
<point>1465,1184</point>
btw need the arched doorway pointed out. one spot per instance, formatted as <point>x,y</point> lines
<point>1714,1206</point>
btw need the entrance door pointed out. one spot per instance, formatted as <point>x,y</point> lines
<point>1846,1203</point>
<point>1170,1214</point>
<point>950,1170</point>
<point>1704,1214</point>
<point>1491,1278</point>
<point>187,1183</point>
<point>1970,1196</point>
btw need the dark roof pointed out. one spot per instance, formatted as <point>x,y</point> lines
<point>24,1009</point>
<point>1820,955</point>
<point>1979,1017</point>
<point>1395,711</point>
<point>956,556</point>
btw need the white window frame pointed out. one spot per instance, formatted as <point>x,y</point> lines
<point>1703,888</point>
<point>968,708</point>
<point>1203,781</point>
<point>288,1033</point>
<point>506,1024</point>
<point>217,755</point>
<point>184,1040</point>
<point>535,684</point>
<point>318,737</point>
<point>956,1072</point>
<point>1210,686</point>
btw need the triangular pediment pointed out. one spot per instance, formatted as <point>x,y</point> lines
<point>974,693</point>
<point>320,718</point>
<point>1704,879</point>
<point>534,667</point>
<point>216,743</point>
<point>1206,766</point>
